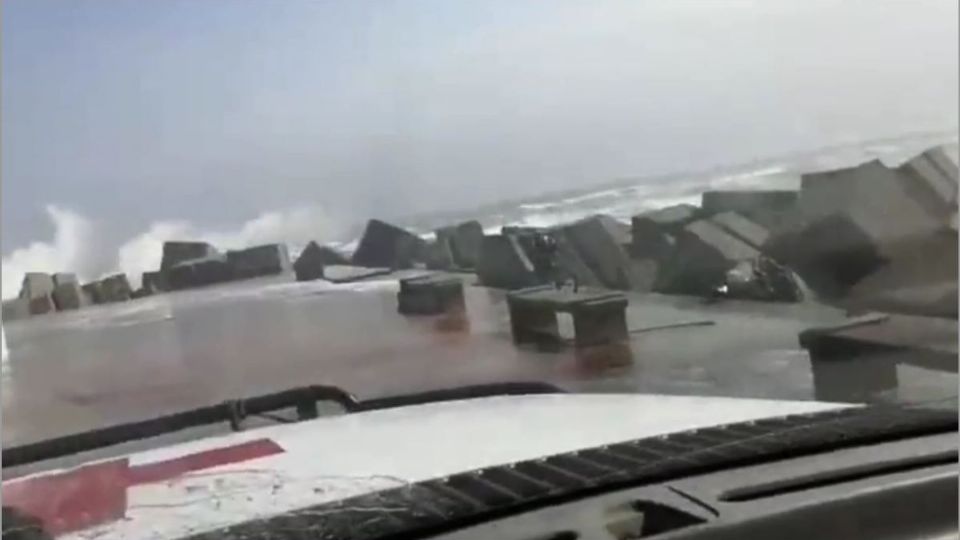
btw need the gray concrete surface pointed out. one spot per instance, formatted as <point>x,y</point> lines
<point>73,371</point>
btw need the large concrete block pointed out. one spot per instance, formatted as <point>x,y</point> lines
<point>600,248</point>
<point>40,305</point>
<point>652,233</point>
<point>63,278</point>
<point>175,252</point>
<point>504,264</point>
<point>16,309</point>
<point>349,274</point>
<point>68,296</point>
<point>265,260</point>
<point>309,265</point>
<point>747,202</point>
<point>93,292</point>
<point>115,288</point>
<point>463,241</point>
<point>931,179</point>
<point>154,282</point>
<point>743,228</point>
<point>200,272</point>
<point>831,254</point>
<point>439,256</point>
<point>700,260</point>
<point>36,285</point>
<point>919,278</point>
<point>879,201</point>
<point>389,246</point>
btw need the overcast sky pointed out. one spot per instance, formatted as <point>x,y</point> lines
<point>132,112</point>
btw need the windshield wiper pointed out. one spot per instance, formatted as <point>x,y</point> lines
<point>304,399</point>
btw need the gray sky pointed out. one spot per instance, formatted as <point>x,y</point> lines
<point>129,113</point>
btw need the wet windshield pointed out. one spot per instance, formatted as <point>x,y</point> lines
<point>209,200</point>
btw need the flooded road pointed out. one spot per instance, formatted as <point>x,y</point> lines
<point>70,372</point>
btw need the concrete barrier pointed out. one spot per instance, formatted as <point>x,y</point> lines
<point>389,246</point>
<point>115,288</point>
<point>36,285</point>
<point>176,252</point>
<point>265,260</point>
<point>699,261</point>
<point>15,309</point>
<point>652,233</point>
<point>200,272</point>
<point>68,296</point>
<point>599,244</point>
<point>309,265</point>
<point>504,264</point>
<point>463,241</point>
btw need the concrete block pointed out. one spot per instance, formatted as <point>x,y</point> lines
<point>154,282</point>
<point>265,260</point>
<point>36,285</point>
<point>40,305</point>
<point>743,228</point>
<point>176,252</point>
<point>142,292</point>
<point>504,264</point>
<point>700,260</point>
<point>831,255</point>
<point>747,202</point>
<point>115,288</point>
<point>68,296</point>
<point>93,292</point>
<point>15,309</point>
<point>438,256</point>
<point>430,295</point>
<point>388,246</point>
<point>919,278</point>
<point>878,200</point>
<point>309,265</point>
<point>64,278</point>
<point>200,272</point>
<point>463,241</point>
<point>652,233</point>
<point>931,179</point>
<point>602,251</point>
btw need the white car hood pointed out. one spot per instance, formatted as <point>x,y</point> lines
<point>221,481</point>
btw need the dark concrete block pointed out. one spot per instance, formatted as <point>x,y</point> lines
<point>602,251</point>
<point>700,260</point>
<point>68,296</point>
<point>265,260</point>
<point>438,256</point>
<point>176,252</point>
<point>40,305</point>
<point>831,255</point>
<point>388,246</point>
<point>504,264</point>
<point>931,179</point>
<point>64,278</point>
<point>430,295</point>
<point>93,293</point>
<point>743,228</point>
<point>200,273</point>
<point>154,282</point>
<point>15,309</point>
<point>747,202</point>
<point>463,241</point>
<point>309,265</point>
<point>652,233</point>
<point>142,292</point>
<point>36,285</point>
<point>115,288</point>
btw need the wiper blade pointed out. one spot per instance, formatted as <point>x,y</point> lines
<point>303,399</point>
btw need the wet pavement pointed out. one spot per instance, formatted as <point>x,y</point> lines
<point>69,372</point>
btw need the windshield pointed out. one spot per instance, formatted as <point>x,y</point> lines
<point>205,201</point>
